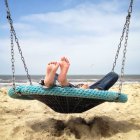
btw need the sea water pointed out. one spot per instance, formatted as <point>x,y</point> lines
<point>6,80</point>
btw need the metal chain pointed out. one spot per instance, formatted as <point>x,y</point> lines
<point>119,46</point>
<point>12,60</point>
<point>125,31</point>
<point>124,55</point>
<point>13,33</point>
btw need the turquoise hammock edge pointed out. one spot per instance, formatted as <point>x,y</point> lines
<point>27,92</point>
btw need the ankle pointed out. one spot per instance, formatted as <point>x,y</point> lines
<point>47,84</point>
<point>64,83</point>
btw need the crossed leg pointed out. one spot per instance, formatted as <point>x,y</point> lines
<point>104,84</point>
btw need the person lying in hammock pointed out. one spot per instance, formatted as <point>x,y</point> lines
<point>51,76</point>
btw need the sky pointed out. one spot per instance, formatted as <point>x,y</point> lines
<point>86,31</point>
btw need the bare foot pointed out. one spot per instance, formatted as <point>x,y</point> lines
<point>64,66</point>
<point>50,73</point>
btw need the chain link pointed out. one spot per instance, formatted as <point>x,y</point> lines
<point>119,46</point>
<point>13,33</point>
<point>124,32</point>
<point>22,58</point>
<point>12,60</point>
<point>124,55</point>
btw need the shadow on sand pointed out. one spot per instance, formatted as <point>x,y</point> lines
<point>96,127</point>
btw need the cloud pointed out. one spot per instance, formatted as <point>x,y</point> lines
<point>19,26</point>
<point>85,17</point>
<point>87,33</point>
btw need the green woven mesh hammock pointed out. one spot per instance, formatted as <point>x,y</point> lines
<point>68,99</point>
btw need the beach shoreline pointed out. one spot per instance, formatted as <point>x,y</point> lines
<point>22,119</point>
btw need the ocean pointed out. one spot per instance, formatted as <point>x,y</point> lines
<point>6,80</point>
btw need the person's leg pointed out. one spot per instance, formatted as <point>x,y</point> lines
<point>106,82</point>
<point>50,73</point>
<point>64,66</point>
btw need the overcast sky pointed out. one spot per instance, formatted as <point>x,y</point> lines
<point>86,31</point>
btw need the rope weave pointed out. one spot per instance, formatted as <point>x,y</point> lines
<point>27,92</point>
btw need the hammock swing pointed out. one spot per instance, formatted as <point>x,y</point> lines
<point>67,99</point>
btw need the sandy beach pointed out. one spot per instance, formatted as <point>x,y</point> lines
<point>32,120</point>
